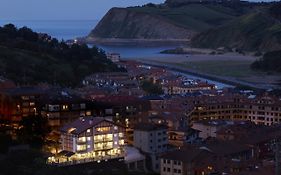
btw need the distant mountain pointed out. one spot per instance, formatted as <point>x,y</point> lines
<point>206,23</point>
<point>162,22</point>
<point>27,57</point>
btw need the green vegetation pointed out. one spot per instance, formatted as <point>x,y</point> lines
<point>255,31</point>
<point>33,130</point>
<point>271,62</point>
<point>197,17</point>
<point>27,57</point>
<point>177,50</point>
<point>151,88</point>
<point>230,68</point>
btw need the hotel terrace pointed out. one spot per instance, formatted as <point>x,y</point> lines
<point>89,139</point>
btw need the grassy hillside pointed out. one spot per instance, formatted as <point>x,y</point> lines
<point>163,22</point>
<point>252,32</point>
<point>197,17</point>
<point>27,57</point>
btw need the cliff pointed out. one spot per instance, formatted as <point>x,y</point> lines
<point>159,23</point>
<point>128,24</point>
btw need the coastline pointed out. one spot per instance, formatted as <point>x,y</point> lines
<point>226,80</point>
<point>133,42</point>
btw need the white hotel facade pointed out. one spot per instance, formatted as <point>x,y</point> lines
<point>90,139</point>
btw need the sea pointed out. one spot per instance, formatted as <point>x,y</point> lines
<point>71,29</point>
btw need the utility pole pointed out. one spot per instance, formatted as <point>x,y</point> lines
<point>277,157</point>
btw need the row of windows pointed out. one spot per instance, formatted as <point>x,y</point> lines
<point>160,140</point>
<point>159,133</point>
<point>167,161</point>
<point>159,147</point>
<point>169,170</point>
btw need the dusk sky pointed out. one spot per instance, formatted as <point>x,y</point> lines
<point>62,9</point>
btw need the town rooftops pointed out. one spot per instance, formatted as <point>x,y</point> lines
<point>214,147</point>
<point>149,127</point>
<point>219,122</point>
<point>22,91</point>
<point>185,155</point>
<point>153,98</point>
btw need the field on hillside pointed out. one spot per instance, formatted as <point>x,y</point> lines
<point>194,16</point>
<point>231,68</point>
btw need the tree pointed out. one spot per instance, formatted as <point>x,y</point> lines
<point>151,88</point>
<point>33,130</point>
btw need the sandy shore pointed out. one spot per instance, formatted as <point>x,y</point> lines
<point>201,57</point>
<point>134,42</point>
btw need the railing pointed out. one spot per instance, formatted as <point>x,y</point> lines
<point>80,142</point>
<point>102,140</point>
<point>85,160</point>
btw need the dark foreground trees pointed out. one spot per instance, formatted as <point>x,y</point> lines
<point>270,62</point>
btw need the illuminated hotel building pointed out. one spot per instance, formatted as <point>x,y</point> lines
<point>90,139</point>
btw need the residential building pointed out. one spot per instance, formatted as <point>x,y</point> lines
<point>114,57</point>
<point>16,103</point>
<point>214,157</point>
<point>261,109</point>
<point>151,139</point>
<point>60,107</point>
<point>180,88</point>
<point>90,139</point>
<point>182,136</point>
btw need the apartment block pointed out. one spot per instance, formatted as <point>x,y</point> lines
<point>90,139</point>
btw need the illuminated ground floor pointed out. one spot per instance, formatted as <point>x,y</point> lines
<point>65,158</point>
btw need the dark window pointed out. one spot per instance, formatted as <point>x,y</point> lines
<point>168,169</point>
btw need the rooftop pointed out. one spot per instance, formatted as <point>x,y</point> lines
<point>82,124</point>
<point>149,127</point>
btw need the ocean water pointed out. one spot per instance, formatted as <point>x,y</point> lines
<point>60,29</point>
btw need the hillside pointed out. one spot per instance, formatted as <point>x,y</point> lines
<point>257,31</point>
<point>161,21</point>
<point>27,57</point>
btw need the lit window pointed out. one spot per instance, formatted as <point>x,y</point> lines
<point>115,127</point>
<point>88,130</point>
<point>64,107</point>
<point>121,134</point>
<point>121,142</point>
<point>82,139</point>
<point>81,147</point>
<point>89,138</point>
<point>103,129</point>
<point>115,143</point>
<point>88,146</point>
